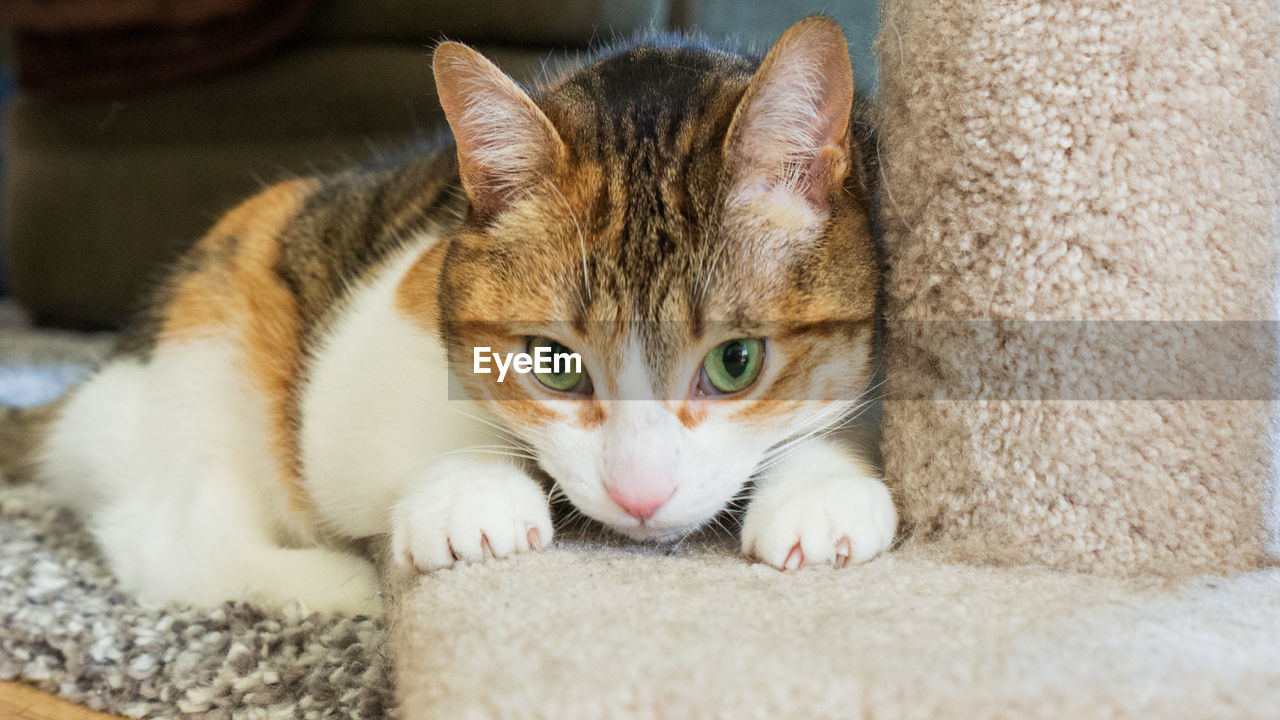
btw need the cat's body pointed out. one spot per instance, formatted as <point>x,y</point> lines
<point>678,217</point>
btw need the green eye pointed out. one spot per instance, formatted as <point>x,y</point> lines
<point>556,366</point>
<point>734,365</point>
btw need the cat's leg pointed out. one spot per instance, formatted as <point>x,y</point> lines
<point>821,505</point>
<point>205,542</point>
<point>322,580</point>
<point>174,480</point>
<point>468,508</point>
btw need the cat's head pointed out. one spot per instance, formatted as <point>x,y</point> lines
<point>693,225</point>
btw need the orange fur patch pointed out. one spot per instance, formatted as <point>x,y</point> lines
<point>418,295</point>
<point>689,416</point>
<point>236,293</point>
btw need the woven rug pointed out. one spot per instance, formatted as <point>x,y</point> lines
<point>66,628</point>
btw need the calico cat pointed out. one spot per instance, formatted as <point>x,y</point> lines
<point>691,224</point>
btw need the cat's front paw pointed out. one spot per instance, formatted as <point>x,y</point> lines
<point>835,519</point>
<point>469,510</point>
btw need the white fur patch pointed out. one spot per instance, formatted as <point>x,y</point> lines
<point>376,410</point>
<point>170,465</point>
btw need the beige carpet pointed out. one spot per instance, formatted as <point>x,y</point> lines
<point>1080,164</point>
<point>614,632</point>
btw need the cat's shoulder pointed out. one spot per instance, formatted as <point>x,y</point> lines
<point>302,242</point>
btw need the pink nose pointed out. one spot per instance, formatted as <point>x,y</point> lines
<point>642,503</point>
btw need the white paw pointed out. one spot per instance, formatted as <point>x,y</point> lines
<point>835,519</point>
<point>321,580</point>
<point>336,583</point>
<point>467,509</point>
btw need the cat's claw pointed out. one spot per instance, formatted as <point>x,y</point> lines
<point>469,512</point>
<point>795,558</point>
<point>836,521</point>
<point>844,551</point>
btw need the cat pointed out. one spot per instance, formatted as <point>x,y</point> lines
<point>692,225</point>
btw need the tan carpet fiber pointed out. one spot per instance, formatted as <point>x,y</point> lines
<point>598,632</point>
<point>1097,161</point>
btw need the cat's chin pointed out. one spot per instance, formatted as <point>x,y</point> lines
<point>657,534</point>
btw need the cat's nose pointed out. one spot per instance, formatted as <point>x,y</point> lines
<point>641,503</point>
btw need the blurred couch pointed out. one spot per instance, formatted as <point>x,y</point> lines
<point>102,186</point>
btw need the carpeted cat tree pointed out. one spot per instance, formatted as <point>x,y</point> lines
<point>1077,196</point>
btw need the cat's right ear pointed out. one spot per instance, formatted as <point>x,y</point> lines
<point>504,140</point>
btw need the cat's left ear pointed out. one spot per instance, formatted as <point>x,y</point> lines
<point>790,131</point>
<point>504,139</point>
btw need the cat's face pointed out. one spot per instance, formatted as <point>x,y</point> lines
<point>716,278</point>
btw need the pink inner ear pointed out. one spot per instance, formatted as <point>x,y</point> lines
<point>792,127</point>
<point>504,140</point>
